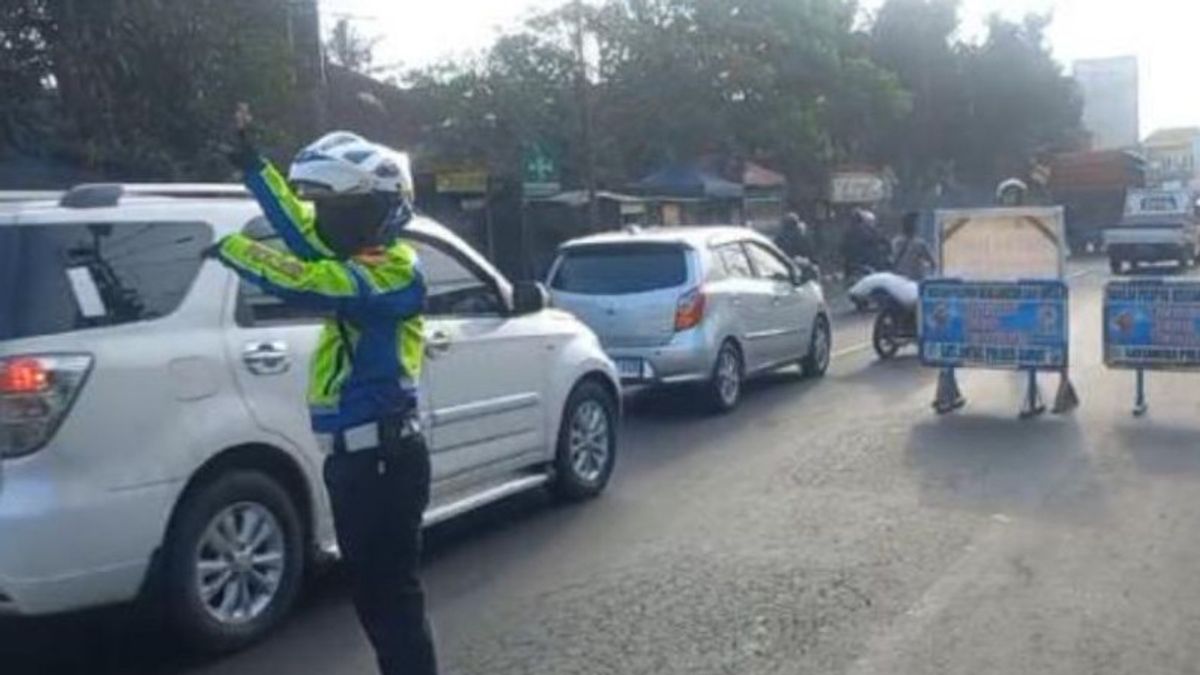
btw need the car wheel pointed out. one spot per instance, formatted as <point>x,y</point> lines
<point>587,443</point>
<point>235,560</point>
<point>820,347</point>
<point>725,384</point>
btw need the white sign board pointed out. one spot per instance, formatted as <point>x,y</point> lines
<point>857,188</point>
<point>1007,244</point>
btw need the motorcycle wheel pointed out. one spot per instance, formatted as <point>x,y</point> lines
<point>885,335</point>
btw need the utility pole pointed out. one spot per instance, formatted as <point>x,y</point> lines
<point>583,94</point>
<point>304,37</point>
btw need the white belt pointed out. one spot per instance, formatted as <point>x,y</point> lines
<point>355,439</point>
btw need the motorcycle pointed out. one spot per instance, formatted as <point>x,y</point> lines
<point>896,323</point>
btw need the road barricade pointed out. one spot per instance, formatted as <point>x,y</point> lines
<point>1151,324</point>
<point>1003,304</point>
<point>996,325</point>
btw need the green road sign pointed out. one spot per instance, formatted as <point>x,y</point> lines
<point>540,171</point>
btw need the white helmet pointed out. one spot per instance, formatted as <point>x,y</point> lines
<point>1012,185</point>
<point>343,163</point>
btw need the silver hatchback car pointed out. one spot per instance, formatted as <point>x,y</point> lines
<point>695,305</point>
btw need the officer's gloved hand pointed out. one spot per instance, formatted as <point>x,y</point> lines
<point>243,154</point>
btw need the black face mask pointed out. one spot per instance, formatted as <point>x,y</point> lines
<point>349,225</point>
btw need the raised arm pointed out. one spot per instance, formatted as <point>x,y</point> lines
<point>291,217</point>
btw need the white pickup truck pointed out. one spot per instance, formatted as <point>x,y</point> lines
<point>1158,225</point>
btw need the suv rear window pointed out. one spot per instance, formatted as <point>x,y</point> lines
<point>60,278</point>
<point>620,269</point>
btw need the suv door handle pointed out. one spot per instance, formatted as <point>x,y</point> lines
<point>267,358</point>
<point>437,343</point>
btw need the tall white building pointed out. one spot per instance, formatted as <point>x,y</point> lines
<point>1110,101</point>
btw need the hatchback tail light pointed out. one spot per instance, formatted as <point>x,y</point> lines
<point>689,311</point>
<point>35,394</point>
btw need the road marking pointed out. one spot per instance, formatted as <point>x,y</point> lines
<point>850,351</point>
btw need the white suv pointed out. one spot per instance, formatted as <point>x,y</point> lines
<point>153,432</point>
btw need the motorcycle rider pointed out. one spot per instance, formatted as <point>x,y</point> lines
<point>1012,193</point>
<point>793,238</point>
<point>339,213</point>
<point>864,247</point>
<point>912,257</point>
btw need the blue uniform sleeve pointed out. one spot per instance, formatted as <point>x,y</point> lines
<point>292,218</point>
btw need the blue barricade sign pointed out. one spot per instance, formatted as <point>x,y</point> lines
<point>996,325</point>
<point>1152,325</point>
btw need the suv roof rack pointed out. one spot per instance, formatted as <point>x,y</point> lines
<point>98,195</point>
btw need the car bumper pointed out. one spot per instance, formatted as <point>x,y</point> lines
<point>66,547</point>
<point>688,357</point>
<point>1146,252</point>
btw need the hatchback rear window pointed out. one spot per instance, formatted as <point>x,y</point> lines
<point>618,270</point>
<point>61,278</point>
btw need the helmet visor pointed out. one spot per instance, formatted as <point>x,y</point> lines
<point>349,225</point>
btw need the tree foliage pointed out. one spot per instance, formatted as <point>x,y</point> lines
<point>349,48</point>
<point>799,85</point>
<point>981,111</point>
<point>143,88</point>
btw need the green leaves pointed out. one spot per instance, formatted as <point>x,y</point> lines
<point>144,88</point>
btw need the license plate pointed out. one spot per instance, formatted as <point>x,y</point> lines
<point>629,369</point>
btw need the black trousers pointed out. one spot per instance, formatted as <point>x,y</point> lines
<point>378,497</point>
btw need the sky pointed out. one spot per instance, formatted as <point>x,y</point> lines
<point>1163,34</point>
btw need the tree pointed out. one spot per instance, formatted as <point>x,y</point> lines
<point>981,111</point>
<point>788,83</point>
<point>349,48</point>
<point>144,88</point>
<point>915,39</point>
<point>1021,104</point>
<point>26,32</point>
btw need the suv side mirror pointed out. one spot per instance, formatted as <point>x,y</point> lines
<point>806,271</point>
<point>529,297</point>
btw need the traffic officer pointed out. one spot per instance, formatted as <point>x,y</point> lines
<point>339,213</point>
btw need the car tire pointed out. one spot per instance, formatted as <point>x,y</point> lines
<point>251,511</point>
<point>820,347</point>
<point>586,451</point>
<point>724,388</point>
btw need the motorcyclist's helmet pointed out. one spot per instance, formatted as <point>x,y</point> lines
<point>362,191</point>
<point>1012,192</point>
<point>864,217</point>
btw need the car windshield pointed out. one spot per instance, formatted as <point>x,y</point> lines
<point>620,269</point>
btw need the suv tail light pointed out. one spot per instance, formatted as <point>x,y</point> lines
<point>35,394</point>
<point>689,311</point>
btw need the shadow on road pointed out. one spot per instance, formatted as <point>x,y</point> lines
<point>1162,450</point>
<point>1002,465</point>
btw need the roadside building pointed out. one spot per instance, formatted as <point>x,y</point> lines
<point>1171,156</point>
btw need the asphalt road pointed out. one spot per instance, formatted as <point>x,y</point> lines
<point>835,526</point>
